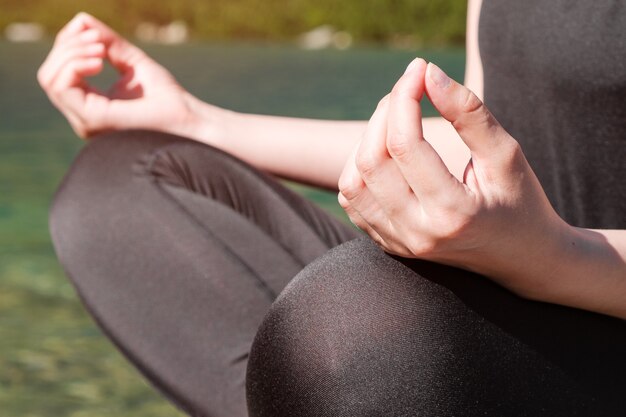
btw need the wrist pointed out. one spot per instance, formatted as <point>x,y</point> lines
<point>206,123</point>
<point>530,263</point>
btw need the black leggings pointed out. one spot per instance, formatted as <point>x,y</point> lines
<point>186,258</point>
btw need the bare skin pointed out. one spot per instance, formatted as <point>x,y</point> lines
<point>136,102</point>
<point>496,221</point>
<point>414,197</point>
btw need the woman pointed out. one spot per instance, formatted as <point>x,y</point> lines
<point>488,301</point>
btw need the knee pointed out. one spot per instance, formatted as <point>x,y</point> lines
<point>360,333</point>
<point>77,195</point>
<point>118,195</point>
<point>353,333</point>
<point>100,189</point>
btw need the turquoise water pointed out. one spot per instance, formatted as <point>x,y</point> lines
<point>53,360</point>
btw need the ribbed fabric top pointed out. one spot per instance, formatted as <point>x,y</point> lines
<point>555,77</point>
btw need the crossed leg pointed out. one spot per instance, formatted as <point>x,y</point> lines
<point>179,251</point>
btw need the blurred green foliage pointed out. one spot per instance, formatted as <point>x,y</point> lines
<point>408,22</point>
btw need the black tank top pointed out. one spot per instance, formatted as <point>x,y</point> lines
<point>555,77</point>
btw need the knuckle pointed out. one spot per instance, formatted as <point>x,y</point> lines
<point>514,150</point>
<point>345,205</point>
<point>42,78</point>
<point>85,130</point>
<point>343,182</point>
<point>380,241</point>
<point>55,89</point>
<point>384,102</point>
<point>457,227</point>
<point>82,120</point>
<point>79,128</point>
<point>473,112</point>
<point>396,209</point>
<point>396,92</point>
<point>460,222</point>
<point>99,47</point>
<point>343,201</point>
<point>59,36</point>
<point>422,247</point>
<point>472,103</point>
<point>398,145</point>
<point>511,155</point>
<point>367,164</point>
<point>350,187</point>
<point>447,204</point>
<point>359,222</point>
<point>81,132</point>
<point>98,36</point>
<point>395,250</point>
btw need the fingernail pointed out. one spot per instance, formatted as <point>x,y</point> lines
<point>438,76</point>
<point>411,66</point>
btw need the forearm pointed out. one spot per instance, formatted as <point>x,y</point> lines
<point>561,264</point>
<point>592,275</point>
<point>306,150</point>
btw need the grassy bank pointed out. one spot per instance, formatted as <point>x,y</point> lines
<point>406,22</point>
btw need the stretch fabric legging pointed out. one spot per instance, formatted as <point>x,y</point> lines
<point>236,297</point>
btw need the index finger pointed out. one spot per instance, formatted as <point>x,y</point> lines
<point>73,27</point>
<point>425,172</point>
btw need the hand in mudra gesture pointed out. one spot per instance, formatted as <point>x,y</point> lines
<point>496,221</point>
<point>145,96</point>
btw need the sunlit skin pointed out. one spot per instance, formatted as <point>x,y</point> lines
<point>407,181</point>
<point>496,220</point>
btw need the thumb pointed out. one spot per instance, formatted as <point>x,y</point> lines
<point>480,131</point>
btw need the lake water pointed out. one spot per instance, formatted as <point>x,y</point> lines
<point>53,360</point>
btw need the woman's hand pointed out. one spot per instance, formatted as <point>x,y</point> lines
<point>146,96</point>
<point>497,221</point>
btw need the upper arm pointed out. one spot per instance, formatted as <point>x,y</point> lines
<point>473,64</point>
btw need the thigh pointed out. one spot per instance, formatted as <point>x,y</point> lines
<point>361,333</point>
<point>178,251</point>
